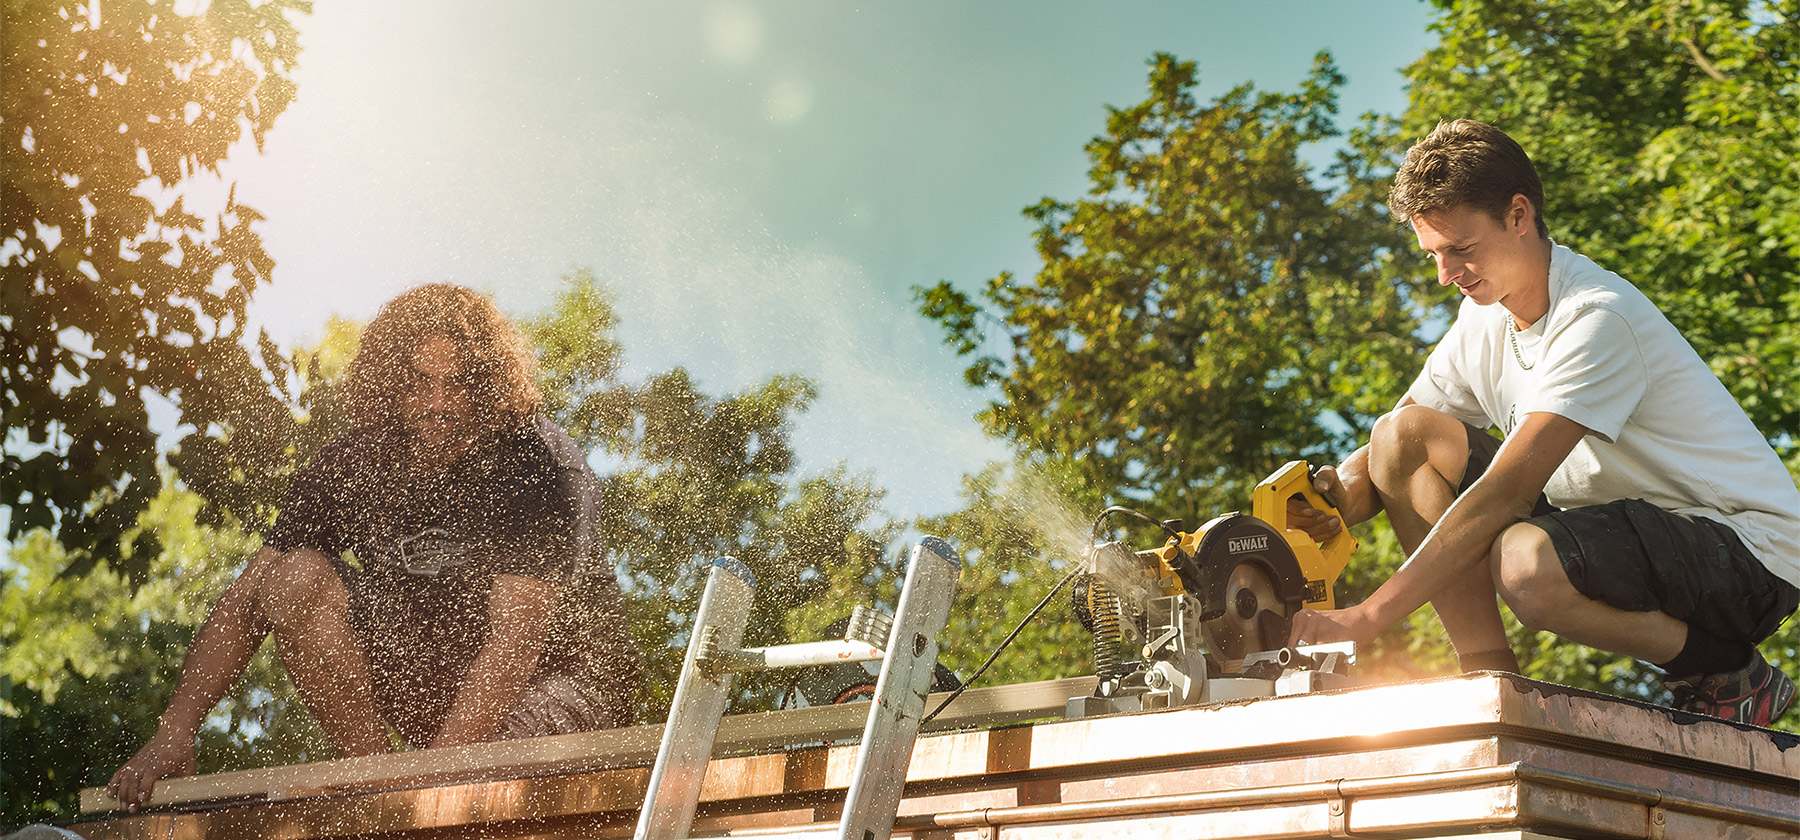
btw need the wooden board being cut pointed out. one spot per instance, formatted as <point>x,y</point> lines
<point>589,751</point>
<point>1471,757</point>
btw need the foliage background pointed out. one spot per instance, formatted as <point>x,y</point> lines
<point>1212,306</point>
<point>114,291</point>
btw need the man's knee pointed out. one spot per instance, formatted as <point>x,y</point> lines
<point>292,591</point>
<point>1529,575</point>
<point>1412,437</point>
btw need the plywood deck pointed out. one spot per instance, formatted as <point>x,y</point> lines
<point>1476,755</point>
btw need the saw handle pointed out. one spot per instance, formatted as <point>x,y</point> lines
<point>1269,503</point>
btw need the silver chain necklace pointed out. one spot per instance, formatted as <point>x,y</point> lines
<point>1512,337</point>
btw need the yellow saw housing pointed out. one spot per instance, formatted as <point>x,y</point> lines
<point>1314,568</point>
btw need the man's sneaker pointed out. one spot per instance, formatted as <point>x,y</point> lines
<point>1756,694</point>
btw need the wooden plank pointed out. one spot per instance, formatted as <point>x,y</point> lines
<point>589,751</point>
<point>1399,760</point>
<point>1432,711</point>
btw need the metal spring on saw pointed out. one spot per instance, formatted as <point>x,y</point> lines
<point>1103,606</point>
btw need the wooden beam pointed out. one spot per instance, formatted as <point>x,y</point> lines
<point>583,752</point>
<point>1438,758</point>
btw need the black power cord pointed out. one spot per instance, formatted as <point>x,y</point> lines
<point>1003,643</point>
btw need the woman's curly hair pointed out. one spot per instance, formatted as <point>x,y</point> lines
<point>498,366</point>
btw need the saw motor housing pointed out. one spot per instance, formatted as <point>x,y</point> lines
<point>1210,609</point>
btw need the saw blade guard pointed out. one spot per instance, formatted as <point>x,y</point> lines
<point>1250,570</point>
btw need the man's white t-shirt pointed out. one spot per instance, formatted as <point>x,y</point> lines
<point>1661,426</point>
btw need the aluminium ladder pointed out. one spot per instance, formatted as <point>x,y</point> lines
<point>713,656</point>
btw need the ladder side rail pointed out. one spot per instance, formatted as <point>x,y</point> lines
<point>701,696</point>
<point>900,691</point>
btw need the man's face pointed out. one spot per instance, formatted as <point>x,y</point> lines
<point>1487,259</point>
<point>436,406</point>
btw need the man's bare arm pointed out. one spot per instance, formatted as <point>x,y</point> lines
<point>1347,487</point>
<point>221,650</point>
<point>1504,495</point>
<point>519,611</point>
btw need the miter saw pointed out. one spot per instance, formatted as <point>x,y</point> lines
<point>1210,609</point>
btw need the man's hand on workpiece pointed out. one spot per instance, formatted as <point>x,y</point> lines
<point>1315,627</point>
<point>168,753</point>
<point>1319,524</point>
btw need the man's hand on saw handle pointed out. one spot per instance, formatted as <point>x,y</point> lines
<point>1319,524</point>
<point>1347,488</point>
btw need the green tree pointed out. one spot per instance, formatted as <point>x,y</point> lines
<point>699,477</point>
<point>88,662</point>
<point>1021,528</point>
<point>111,290</point>
<point>1207,311</point>
<point>1668,137</point>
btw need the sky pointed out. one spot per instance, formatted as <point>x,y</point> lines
<point>759,185</point>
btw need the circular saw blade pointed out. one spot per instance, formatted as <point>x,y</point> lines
<point>1249,593</point>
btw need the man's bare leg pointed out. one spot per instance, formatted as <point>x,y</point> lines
<point>305,601</point>
<point>1530,575</point>
<point>1417,457</point>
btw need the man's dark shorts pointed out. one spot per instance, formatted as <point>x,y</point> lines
<point>553,703</point>
<point>1637,557</point>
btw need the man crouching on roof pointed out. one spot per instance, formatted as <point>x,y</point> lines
<point>1633,506</point>
<point>437,568</point>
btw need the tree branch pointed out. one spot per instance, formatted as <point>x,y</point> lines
<point>1705,64</point>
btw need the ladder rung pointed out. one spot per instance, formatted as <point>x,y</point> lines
<point>713,654</point>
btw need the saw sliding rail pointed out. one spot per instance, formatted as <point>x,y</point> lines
<point>714,655</point>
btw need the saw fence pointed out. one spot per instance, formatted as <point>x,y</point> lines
<point>1475,756</point>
